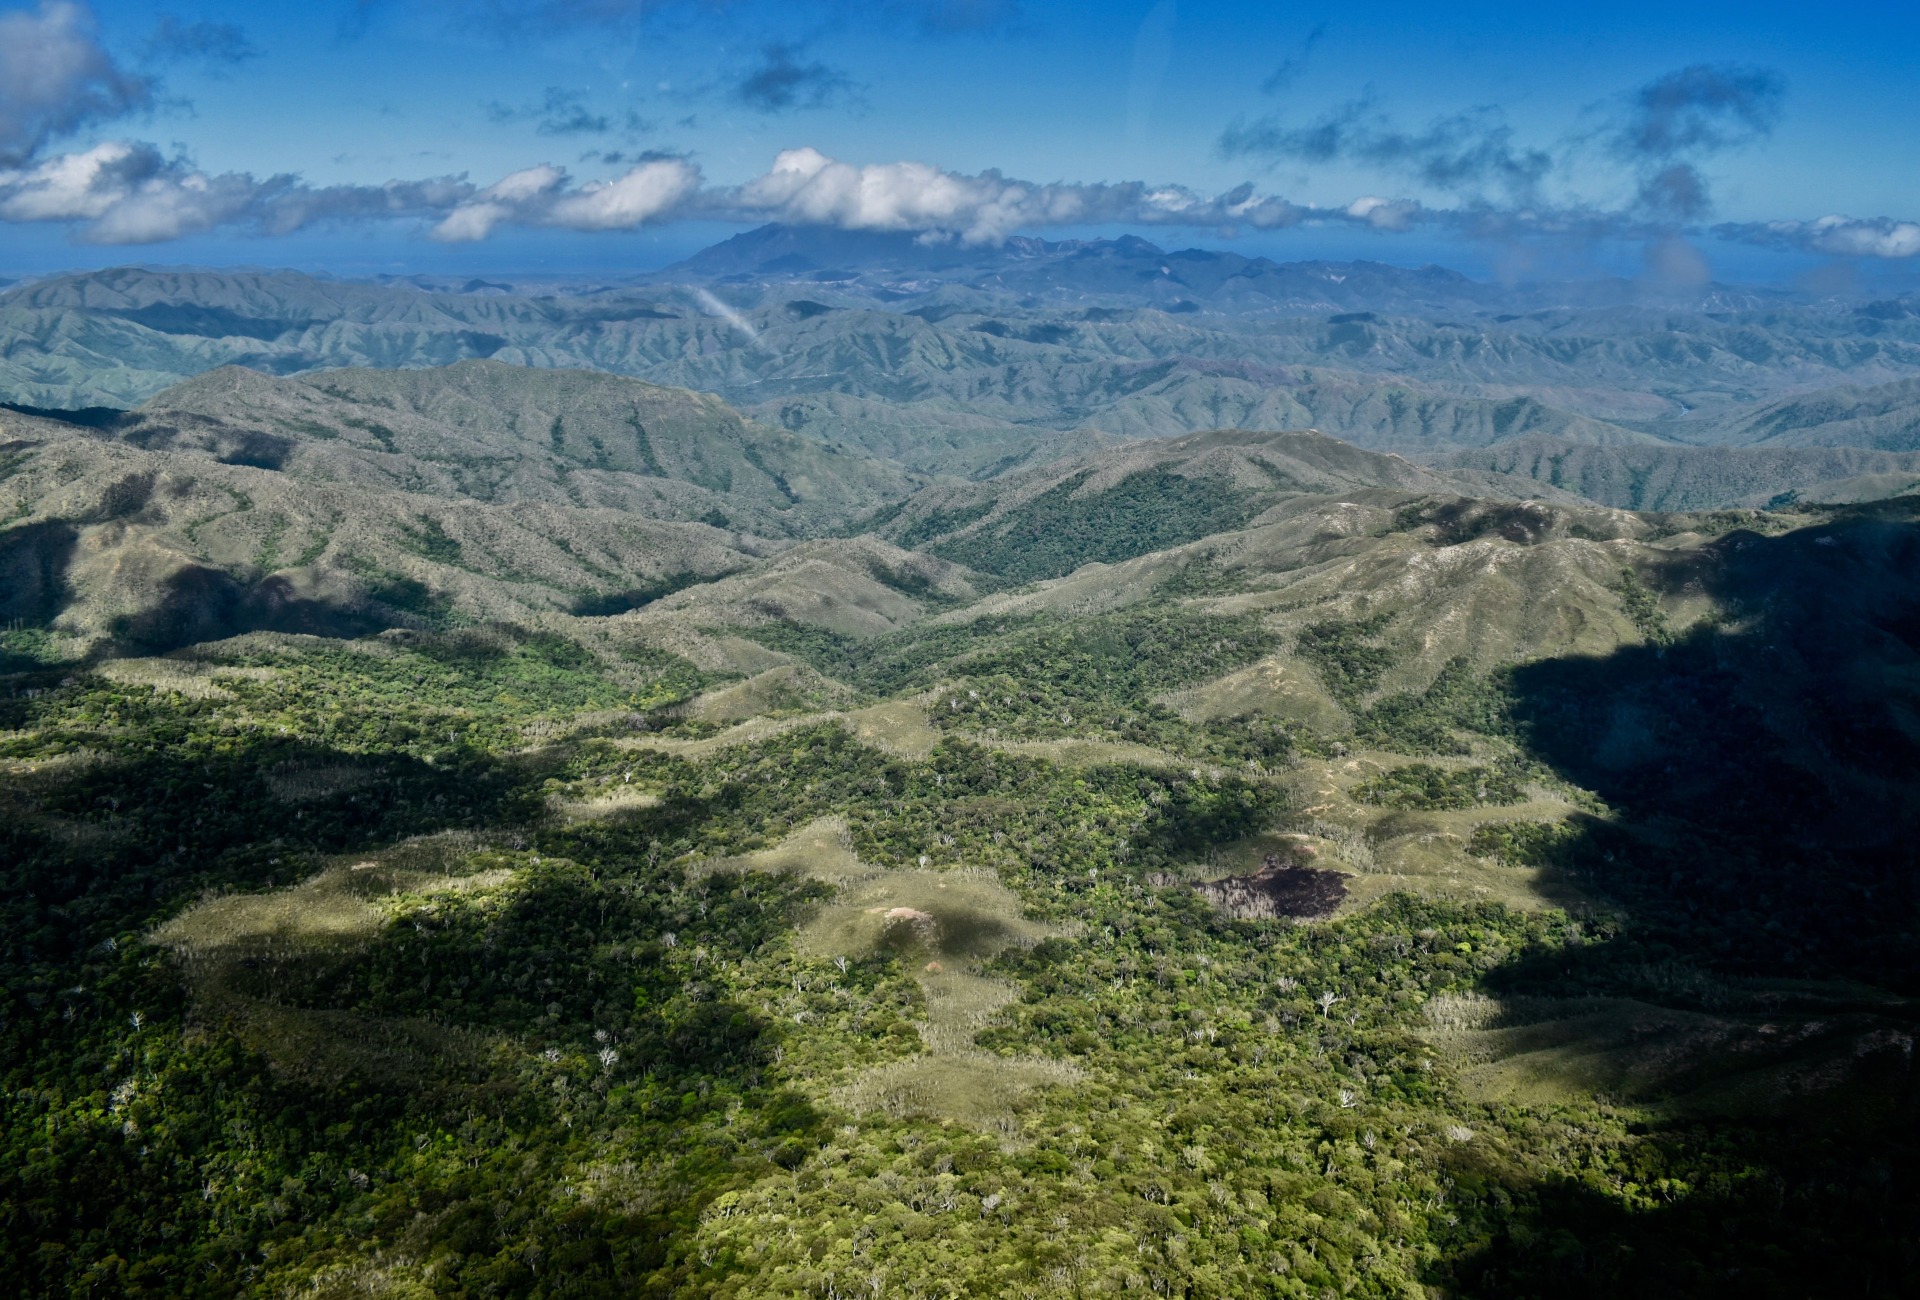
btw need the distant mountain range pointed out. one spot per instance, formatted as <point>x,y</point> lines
<point>1138,272</point>
<point>962,362</point>
<point>1700,478</point>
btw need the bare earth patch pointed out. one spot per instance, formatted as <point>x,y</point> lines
<point>1281,887</point>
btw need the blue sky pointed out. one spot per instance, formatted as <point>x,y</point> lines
<point>598,134</point>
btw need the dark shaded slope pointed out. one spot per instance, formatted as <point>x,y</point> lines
<point>122,548</point>
<point>1772,758</point>
<point>1762,775</point>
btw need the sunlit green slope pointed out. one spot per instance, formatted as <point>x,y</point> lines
<point>1308,873</point>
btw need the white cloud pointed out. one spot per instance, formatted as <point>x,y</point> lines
<point>1384,214</point>
<point>539,196</point>
<point>805,186</point>
<point>72,187</point>
<point>649,191</point>
<point>1836,236</point>
<point>56,78</point>
<point>123,192</point>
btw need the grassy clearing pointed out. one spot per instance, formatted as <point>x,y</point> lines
<point>1091,753</point>
<point>619,801</point>
<point>329,912</point>
<point>233,948</point>
<point>976,1089</point>
<point>1275,687</point>
<point>938,916</point>
<point>1423,852</point>
<point>941,925</point>
<point>821,850</point>
<point>898,727</point>
<point>341,908</point>
<point>789,688</point>
<point>183,677</point>
<point>744,733</point>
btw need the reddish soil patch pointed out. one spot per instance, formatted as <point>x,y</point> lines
<point>1277,889</point>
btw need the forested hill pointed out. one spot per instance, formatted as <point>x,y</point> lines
<point>439,859</point>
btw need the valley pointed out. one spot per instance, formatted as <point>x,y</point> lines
<point>1051,782</point>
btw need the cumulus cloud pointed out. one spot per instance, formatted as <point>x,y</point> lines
<point>123,192</point>
<point>55,78</point>
<point>655,190</point>
<point>781,82</point>
<point>1835,235</point>
<point>806,187</point>
<point>128,193</point>
<point>1384,214</point>
<point>213,45</point>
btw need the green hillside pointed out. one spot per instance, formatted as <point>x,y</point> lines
<point>485,431</point>
<point>1105,506</point>
<point>1240,864</point>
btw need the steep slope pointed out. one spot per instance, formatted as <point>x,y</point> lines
<point>120,549</point>
<point>486,431</point>
<point>1114,504</point>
